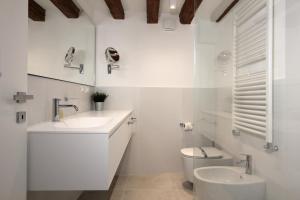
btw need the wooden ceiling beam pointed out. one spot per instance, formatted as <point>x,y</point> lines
<point>153,11</point>
<point>35,11</point>
<point>227,10</point>
<point>67,7</point>
<point>188,11</point>
<point>116,8</point>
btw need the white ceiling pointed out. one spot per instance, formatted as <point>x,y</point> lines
<point>98,11</point>
<point>133,5</point>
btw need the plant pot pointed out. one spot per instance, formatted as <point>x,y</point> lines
<point>99,106</point>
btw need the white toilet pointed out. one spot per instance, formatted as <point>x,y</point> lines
<point>203,157</point>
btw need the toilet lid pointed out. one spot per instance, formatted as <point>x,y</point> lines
<point>192,152</point>
<point>213,152</point>
<point>195,152</point>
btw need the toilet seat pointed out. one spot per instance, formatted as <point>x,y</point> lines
<point>196,152</point>
<point>194,158</point>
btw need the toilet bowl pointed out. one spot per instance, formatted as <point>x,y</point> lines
<point>203,157</point>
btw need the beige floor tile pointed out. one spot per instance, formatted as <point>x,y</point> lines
<point>149,195</point>
<point>121,183</point>
<point>117,195</point>
<point>184,194</point>
<point>177,180</point>
<point>166,186</point>
<point>162,181</point>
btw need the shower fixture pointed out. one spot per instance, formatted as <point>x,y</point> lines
<point>69,57</point>
<point>112,56</point>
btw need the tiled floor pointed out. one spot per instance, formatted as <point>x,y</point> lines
<point>167,186</point>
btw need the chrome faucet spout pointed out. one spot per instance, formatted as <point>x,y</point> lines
<point>70,105</point>
<point>248,163</point>
<point>57,105</point>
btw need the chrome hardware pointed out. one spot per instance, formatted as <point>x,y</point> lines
<point>203,151</point>
<point>186,126</point>
<point>22,97</point>
<point>56,107</point>
<point>80,68</point>
<point>21,117</point>
<point>213,143</point>
<point>131,121</point>
<point>112,56</point>
<point>270,147</point>
<point>69,99</point>
<point>182,125</point>
<point>111,67</point>
<point>236,133</point>
<point>69,60</point>
<point>248,163</point>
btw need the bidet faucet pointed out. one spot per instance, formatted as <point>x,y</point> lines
<point>56,107</point>
<point>248,163</point>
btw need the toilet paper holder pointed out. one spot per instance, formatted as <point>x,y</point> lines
<point>187,126</point>
<point>182,124</point>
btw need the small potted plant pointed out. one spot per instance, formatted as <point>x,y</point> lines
<point>99,98</point>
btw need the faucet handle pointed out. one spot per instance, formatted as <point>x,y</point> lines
<point>70,98</point>
<point>248,163</point>
<point>248,156</point>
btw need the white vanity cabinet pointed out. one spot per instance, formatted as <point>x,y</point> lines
<point>60,160</point>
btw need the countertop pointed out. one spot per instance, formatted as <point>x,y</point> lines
<point>116,118</point>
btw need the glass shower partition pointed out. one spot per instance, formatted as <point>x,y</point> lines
<point>213,52</point>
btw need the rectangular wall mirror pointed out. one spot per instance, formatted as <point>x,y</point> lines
<point>61,42</point>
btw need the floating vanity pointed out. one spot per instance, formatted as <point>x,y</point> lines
<point>82,152</point>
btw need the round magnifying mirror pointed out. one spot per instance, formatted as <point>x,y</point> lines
<point>70,55</point>
<point>112,55</point>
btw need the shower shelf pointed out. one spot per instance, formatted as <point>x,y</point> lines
<point>227,115</point>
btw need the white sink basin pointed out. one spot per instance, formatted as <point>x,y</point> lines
<point>227,183</point>
<point>83,122</point>
<point>101,122</point>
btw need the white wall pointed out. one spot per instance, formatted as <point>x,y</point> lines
<point>40,109</point>
<point>157,140</point>
<point>280,169</point>
<point>156,80</point>
<point>49,42</point>
<point>150,56</point>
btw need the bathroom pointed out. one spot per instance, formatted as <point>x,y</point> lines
<point>201,139</point>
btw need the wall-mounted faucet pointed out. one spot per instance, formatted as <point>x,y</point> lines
<point>56,107</point>
<point>248,163</point>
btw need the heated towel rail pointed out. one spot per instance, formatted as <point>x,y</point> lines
<point>253,71</point>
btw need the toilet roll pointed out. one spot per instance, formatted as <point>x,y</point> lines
<point>187,126</point>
